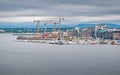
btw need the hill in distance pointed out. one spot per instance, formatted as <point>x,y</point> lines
<point>33,25</point>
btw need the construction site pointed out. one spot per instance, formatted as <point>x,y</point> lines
<point>55,35</point>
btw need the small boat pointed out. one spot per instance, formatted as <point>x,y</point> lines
<point>115,42</point>
<point>72,43</point>
<point>22,38</point>
<point>102,42</point>
<point>59,42</point>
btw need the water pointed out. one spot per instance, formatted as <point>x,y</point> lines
<point>26,58</point>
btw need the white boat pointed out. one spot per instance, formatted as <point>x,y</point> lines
<point>72,43</point>
<point>55,42</point>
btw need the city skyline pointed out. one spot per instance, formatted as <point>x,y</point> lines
<point>85,11</point>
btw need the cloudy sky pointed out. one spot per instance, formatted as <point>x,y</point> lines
<point>74,11</point>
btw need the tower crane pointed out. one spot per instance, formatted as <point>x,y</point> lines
<point>49,20</point>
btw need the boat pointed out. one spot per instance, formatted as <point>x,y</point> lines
<point>72,43</point>
<point>115,42</point>
<point>22,38</point>
<point>59,42</point>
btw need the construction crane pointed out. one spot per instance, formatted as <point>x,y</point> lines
<point>58,21</point>
<point>55,34</point>
<point>45,34</point>
<point>59,32</point>
<point>49,20</point>
<point>38,28</point>
<point>45,27</point>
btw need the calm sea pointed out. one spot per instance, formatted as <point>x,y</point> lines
<point>27,58</point>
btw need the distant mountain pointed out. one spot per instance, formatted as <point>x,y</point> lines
<point>33,25</point>
<point>85,25</point>
<point>112,25</point>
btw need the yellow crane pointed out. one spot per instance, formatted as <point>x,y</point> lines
<point>49,20</point>
<point>38,29</point>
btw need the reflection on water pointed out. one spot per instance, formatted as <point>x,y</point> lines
<point>26,58</point>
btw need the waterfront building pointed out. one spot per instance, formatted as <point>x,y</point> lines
<point>100,31</point>
<point>116,35</point>
<point>86,33</point>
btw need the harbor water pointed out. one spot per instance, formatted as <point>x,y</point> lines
<point>27,58</point>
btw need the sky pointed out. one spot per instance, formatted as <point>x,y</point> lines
<point>73,11</point>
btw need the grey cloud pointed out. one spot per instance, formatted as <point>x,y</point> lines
<point>13,8</point>
<point>20,4</point>
<point>89,2</point>
<point>12,5</point>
